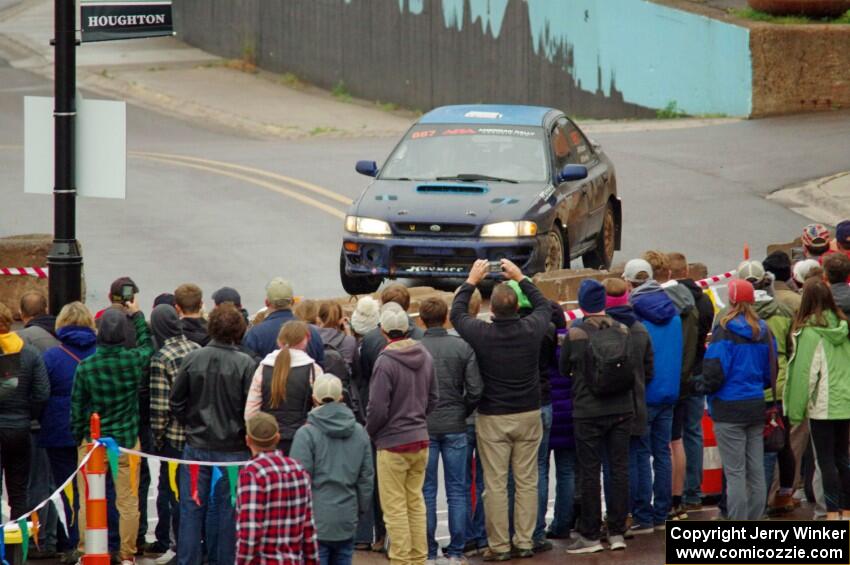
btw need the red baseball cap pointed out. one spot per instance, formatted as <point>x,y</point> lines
<point>741,291</point>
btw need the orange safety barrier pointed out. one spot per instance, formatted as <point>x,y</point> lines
<point>97,530</point>
<point>712,470</point>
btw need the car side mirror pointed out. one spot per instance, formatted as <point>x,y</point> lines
<point>368,168</point>
<point>572,173</point>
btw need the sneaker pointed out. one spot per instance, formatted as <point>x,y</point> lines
<point>128,561</point>
<point>617,543</point>
<point>70,557</point>
<point>660,527</point>
<point>41,554</point>
<point>470,549</point>
<point>556,535</point>
<point>165,558</point>
<point>640,530</point>
<point>380,546</point>
<point>677,513</point>
<point>154,548</point>
<point>542,545</point>
<point>692,506</point>
<point>519,553</point>
<point>584,545</point>
<point>458,561</point>
<point>362,546</point>
<point>490,555</point>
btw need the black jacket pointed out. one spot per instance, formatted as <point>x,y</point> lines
<point>209,394</point>
<point>574,354</point>
<point>458,381</point>
<point>292,413</point>
<point>508,351</point>
<point>195,329</point>
<point>705,310</point>
<point>29,397</point>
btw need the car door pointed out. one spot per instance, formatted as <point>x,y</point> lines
<point>573,207</point>
<point>594,187</point>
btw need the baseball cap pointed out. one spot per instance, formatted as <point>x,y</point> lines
<point>227,294</point>
<point>522,300</point>
<point>752,271</point>
<point>636,267</point>
<point>842,233</point>
<point>327,388</point>
<point>802,268</point>
<point>815,236</point>
<point>117,285</point>
<point>393,318</point>
<point>279,292</point>
<point>741,291</point>
<point>263,430</point>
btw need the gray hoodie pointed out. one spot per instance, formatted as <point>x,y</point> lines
<point>402,393</point>
<point>841,293</point>
<point>335,450</point>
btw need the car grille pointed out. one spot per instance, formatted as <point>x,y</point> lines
<point>434,229</point>
<point>438,257</point>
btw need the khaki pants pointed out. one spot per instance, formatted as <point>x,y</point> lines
<point>126,500</point>
<point>400,480</point>
<point>510,442</point>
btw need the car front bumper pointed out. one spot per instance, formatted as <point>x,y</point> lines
<point>423,257</point>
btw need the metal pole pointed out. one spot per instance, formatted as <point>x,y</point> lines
<point>64,259</point>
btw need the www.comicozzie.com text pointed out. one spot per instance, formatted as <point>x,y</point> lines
<point>756,532</point>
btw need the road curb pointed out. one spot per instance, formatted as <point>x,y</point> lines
<point>817,200</point>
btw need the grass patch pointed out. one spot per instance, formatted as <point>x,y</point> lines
<point>670,112</point>
<point>292,81</point>
<point>757,16</point>
<point>322,130</point>
<point>341,93</point>
<point>386,106</point>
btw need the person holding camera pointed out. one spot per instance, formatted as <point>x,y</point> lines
<point>509,427</point>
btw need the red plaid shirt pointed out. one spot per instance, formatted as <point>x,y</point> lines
<point>275,513</point>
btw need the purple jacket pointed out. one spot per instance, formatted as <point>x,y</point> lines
<point>402,392</point>
<point>561,435</point>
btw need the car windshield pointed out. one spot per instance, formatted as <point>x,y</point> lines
<point>469,152</point>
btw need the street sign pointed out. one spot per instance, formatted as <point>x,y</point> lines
<point>100,143</point>
<point>108,21</point>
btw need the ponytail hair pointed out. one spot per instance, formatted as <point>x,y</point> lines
<point>743,309</point>
<point>291,334</point>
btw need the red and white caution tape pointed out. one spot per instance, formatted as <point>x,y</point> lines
<point>38,272</point>
<point>704,283</point>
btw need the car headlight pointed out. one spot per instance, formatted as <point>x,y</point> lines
<point>367,226</point>
<point>510,229</point>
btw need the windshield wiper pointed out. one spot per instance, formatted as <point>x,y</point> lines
<point>468,177</point>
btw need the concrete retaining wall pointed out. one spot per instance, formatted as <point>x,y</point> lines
<point>800,68</point>
<point>592,58</point>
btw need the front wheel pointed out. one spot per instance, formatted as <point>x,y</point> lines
<point>357,285</point>
<point>554,250</point>
<point>603,254</point>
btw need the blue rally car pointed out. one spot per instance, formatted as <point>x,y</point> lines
<point>482,182</point>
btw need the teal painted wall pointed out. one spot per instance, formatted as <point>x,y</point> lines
<point>654,54</point>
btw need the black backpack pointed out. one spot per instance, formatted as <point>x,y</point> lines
<point>10,368</point>
<point>335,364</point>
<point>609,367</point>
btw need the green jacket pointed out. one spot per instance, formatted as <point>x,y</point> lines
<point>108,383</point>
<point>818,384</point>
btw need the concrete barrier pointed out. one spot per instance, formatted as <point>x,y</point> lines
<point>22,251</point>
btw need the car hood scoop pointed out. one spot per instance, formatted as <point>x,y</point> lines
<point>452,188</point>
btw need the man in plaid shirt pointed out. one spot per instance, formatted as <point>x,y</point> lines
<point>169,435</point>
<point>274,503</point>
<point>108,383</point>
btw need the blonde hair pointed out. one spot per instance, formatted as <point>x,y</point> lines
<point>660,264</point>
<point>746,309</point>
<point>307,311</point>
<point>291,334</point>
<point>6,319</point>
<point>74,314</point>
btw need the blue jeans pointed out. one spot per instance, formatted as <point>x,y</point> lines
<point>692,442</point>
<point>452,448</point>
<point>655,444</point>
<point>336,552</point>
<point>40,487</point>
<point>167,508</point>
<point>476,531</point>
<point>565,487</point>
<point>543,474</point>
<point>192,516</point>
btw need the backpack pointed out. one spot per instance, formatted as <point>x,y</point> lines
<point>610,370</point>
<point>335,364</point>
<point>10,367</point>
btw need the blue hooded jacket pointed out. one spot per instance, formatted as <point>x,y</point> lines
<point>61,368</point>
<point>743,365</point>
<point>661,317</point>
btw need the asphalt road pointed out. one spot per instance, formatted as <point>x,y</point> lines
<point>244,211</point>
